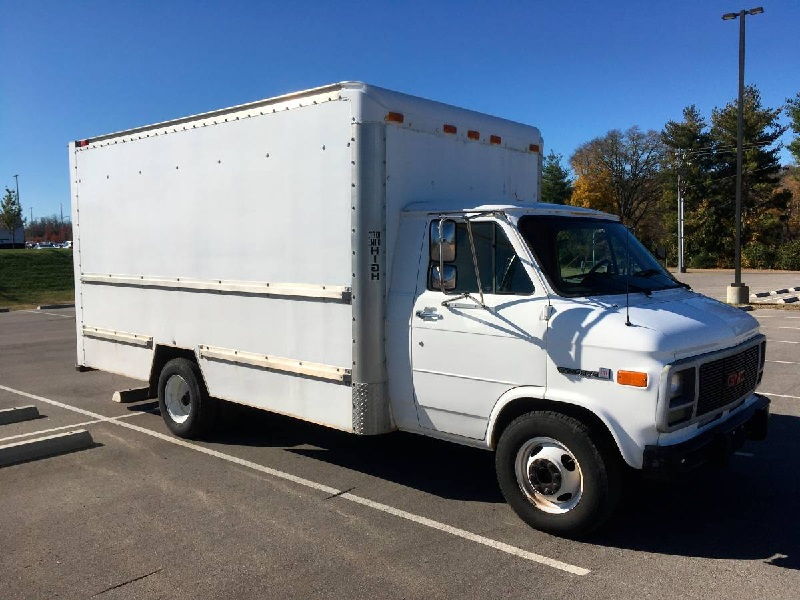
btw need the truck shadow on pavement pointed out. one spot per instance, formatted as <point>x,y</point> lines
<point>433,466</point>
<point>747,511</point>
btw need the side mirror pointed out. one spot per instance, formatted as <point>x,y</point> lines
<point>444,280</point>
<point>443,240</point>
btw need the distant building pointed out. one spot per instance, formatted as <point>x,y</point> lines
<point>6,239</point>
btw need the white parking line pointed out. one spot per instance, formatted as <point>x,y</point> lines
<point>42,431</point>
<point>41,312</point>
<point>455,531</point>
<point>784,362</point>
<point>782,341</point>
<point>778,327</point>
<point>780,395</point>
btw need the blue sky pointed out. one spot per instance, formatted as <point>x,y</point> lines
<point>575,69</point>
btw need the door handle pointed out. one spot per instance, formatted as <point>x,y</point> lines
<point>429,313</point>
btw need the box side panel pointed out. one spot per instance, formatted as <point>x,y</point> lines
<point>247,204</point>
<point>423,166</point>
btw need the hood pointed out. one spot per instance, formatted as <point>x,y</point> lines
<point>670,324</point>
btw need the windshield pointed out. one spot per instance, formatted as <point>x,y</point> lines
<point>592,257</point>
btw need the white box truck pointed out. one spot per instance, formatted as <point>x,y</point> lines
<point>372,261</point>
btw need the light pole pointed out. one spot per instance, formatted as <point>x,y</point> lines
<point>681,261</point>
<point>739,293</point>
<point>14,233</point>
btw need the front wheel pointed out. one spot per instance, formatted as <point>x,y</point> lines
<point>554,474</point>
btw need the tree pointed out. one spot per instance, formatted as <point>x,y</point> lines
<point>705,157</point>
<point>764,206</point>
<point>689,159</point>
<point>556,182</point>
<point>48,229</point>
<point>620,173</point>
<point>11,213</point>
<point>793,110</point>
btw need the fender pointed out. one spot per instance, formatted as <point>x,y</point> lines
<point>630,449</point>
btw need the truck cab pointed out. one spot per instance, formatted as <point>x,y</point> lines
<point>551,335</point>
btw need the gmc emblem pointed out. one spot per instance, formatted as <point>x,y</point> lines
<point>735,378</point>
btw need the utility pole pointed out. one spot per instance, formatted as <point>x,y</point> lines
<point>739,293</point>
<point>681,259</point>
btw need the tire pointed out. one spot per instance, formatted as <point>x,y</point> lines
<point>185,405</point>
<point>555,476</point>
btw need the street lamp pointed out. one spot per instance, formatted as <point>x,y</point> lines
<point>738,293</point>
<point>13,232</point>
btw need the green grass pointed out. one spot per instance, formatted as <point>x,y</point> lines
<point>32,277</point>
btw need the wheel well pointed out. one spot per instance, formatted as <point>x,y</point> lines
<point>162,356</point>
<point>521,406</point>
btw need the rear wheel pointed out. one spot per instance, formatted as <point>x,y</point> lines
<point>554,475</point>
<point>183,399</point>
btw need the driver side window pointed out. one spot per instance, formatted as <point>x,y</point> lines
<point>500,267</point>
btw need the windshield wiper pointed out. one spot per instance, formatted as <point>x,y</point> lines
<point>648,273</point>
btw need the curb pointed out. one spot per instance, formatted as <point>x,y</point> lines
<point>51,306</point>
<point>131,395</point>
<point>18,414</point>
<point>775,292</point>
<point>44,447</point>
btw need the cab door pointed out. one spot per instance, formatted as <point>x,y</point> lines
<point>465,355</point>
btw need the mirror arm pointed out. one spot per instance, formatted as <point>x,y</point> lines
<point>441,258</point>
<point>475,262</point>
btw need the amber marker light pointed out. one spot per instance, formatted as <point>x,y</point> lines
<point>473,135</point>
<point>395,117</point>
<point>634,378</point>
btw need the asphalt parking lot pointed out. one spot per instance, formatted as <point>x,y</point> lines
<point>273,508</point>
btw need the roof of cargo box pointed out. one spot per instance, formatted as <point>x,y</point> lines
<point>371,104</point>
<point>517,210</point>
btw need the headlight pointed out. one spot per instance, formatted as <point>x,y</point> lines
<point>681,397</point>
<point>676,384</point>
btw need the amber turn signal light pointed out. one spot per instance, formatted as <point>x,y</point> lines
<point>633,378</point>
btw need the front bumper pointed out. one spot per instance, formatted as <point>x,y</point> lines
<point>714,444</point>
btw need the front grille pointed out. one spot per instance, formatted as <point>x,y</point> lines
<point>725,380</point>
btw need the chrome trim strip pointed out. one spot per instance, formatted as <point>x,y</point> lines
<point>301,290</point>
<point>277,363</point>
<point>112,335</point>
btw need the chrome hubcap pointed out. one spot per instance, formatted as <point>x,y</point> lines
<point>549,475</point>
<point>177,398</point>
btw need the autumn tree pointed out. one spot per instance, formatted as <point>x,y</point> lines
<point>619,173</point>
<point>556,182</point>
